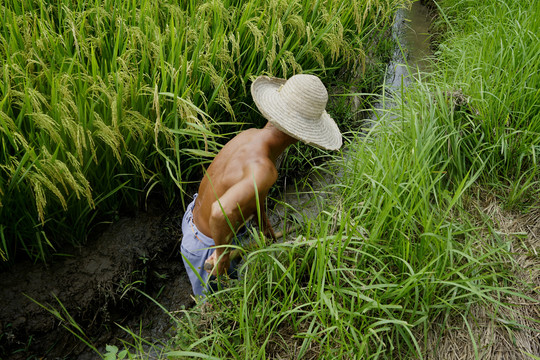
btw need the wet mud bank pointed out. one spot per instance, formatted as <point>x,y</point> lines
<point>96,286</point>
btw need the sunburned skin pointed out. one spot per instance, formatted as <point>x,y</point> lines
<point>238,179</point>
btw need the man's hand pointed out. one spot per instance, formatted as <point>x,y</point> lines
<point>222,262</point>
<point>268,231</point>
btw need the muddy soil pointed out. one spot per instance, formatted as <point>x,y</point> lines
<point>97,285</point>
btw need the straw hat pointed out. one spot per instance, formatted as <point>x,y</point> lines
<point>297,107</point>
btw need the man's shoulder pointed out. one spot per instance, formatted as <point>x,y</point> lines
<point>262,169</point>
<point>261,164</point>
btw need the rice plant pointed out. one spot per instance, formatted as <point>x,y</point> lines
<point>102,102</point>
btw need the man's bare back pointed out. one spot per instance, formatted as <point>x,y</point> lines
<point>238,179</point>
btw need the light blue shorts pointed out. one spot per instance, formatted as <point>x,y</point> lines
<point>196,248</point>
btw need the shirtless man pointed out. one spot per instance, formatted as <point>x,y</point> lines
<point>243,172</point>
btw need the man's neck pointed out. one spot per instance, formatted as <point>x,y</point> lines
<point>277,140</point>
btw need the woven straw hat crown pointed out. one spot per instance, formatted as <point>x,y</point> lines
<point>297,107</point>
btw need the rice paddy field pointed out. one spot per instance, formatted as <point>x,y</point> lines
<point>104,103</point>
<point>428,244</point>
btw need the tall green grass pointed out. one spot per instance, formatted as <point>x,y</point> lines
<point>394,251</point>
<point>102,102</point>
<point>490,70</point>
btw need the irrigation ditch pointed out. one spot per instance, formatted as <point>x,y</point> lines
<point>50,311</point>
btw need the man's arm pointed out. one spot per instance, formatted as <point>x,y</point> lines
<point>237,205</point>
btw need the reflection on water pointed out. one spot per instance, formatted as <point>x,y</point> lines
<point>410,30</point>
<point>411,56</point>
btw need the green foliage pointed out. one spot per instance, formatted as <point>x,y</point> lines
<point>114,354</point>
<point>102,102</point>
<point>366,279</point>
<point>399,254</point>
<point>490,73</point>
<point>394,250</point>
<point>67,321</point>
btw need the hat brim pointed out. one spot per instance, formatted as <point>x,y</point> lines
<point>321,132</point>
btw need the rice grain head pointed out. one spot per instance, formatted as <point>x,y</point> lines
<point>45,183</point>
<point>48,124</point>
<point>109,136</point>
<point>155,106</point>
<point>271,55</point>
<point>279,33</point>
<point>289,56</point>
<point>218,83</point>
<point>39,196</point>
<point>235,46</point>
<point>8,125</point>
<point>295,21</point>
<point>137,164</point>
<point>258,35</point>
<point>318,56</point>
<point>58,171</point>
